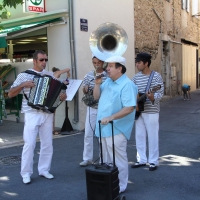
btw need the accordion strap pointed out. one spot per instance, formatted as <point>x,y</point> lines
<point>31,72</point>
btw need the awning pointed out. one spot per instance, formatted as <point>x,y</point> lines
<point>3,42</point>
<point>34,18</point>
<point>11,32</point>
<point>16,27</point>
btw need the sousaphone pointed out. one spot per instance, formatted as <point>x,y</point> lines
<point>108,40</point>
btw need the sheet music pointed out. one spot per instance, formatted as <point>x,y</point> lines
<point>72,88</point>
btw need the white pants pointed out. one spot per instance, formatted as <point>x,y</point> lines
<point>147,125</point>
<point>121,159</point>
<point>90,123</point>
<point>35,123</point>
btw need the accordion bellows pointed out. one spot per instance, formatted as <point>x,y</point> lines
<point>45,94</point>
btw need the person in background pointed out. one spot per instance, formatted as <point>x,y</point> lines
<point>57,73</point>
<point>186,92</point>
<point>148,122</point>
<point>35,122</point>
<point>88,85</point>
<point>117,102</point>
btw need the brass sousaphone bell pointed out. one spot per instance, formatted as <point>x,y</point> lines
<point>108,40</point>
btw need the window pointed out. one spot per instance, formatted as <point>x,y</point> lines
<point>186,5</point>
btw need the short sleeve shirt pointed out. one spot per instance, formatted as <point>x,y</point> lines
<point>115,95</point>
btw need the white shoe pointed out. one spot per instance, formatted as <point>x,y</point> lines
<point>85,163</point>
<point>47,175</point>
<point>26,179</point>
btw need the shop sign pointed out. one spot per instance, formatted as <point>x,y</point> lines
<point>35,6</point>
<point>84,25</point>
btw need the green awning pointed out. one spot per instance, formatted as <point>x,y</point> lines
<point>12,32</point>
<point>34,18</point>
<point>17,28</point>
<point>3,43</point>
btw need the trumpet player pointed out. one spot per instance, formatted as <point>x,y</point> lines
<point>92,105</point>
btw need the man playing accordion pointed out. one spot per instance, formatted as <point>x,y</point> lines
<point>35,121</point>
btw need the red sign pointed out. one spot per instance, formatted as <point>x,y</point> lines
<point>36,9</point>
<point>34,6</point>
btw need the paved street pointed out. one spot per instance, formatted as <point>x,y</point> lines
<point>177,177</point>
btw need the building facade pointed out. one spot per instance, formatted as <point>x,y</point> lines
<point>169,31</point>
<point>66,41</point>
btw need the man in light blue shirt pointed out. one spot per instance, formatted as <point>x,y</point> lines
<point>117,102</point>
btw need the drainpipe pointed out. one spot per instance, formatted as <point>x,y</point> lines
<point>73,59</point>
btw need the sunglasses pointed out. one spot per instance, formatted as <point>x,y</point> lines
<point>42,59</point>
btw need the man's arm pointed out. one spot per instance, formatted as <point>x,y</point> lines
<point>16,90</point>
<point>97,91</point>
<point>122,113</point>
<point>58,73</point>
<point>158,94</point>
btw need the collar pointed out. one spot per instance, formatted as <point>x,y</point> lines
<point>120,79</point>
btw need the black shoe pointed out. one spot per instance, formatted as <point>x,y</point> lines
<point>152,167</point>
<point>137,164</point>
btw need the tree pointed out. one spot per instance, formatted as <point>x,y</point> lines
<point>4,13</point>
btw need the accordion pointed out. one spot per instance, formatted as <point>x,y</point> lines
<point>45,95</point>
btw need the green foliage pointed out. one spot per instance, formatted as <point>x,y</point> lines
<point>4,14</point>
<point>12,3</point>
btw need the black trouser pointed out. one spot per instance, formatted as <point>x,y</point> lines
<point>185,92</point>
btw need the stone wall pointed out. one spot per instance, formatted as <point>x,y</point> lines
<point>147,26</point>
<point>160,28</point>
<point>154,17</point>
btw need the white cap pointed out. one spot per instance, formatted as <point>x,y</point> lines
<point>93,56</point>
<point>116,59</point>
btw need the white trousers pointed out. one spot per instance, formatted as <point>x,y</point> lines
<point>90,123</point>
<point>147,125</point>
<point>35,123</point>
<point>121,159</point>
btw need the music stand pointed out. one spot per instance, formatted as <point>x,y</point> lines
<point>72,88</point>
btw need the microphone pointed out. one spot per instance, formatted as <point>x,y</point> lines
<point>98,76</point>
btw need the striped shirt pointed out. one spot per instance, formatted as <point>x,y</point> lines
<point>141,81</point>
<point>89,79</point>
<point>23,77</point>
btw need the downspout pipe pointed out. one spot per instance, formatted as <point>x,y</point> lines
<point>73,58</point>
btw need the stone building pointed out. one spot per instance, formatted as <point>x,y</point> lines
<point>169,31</point>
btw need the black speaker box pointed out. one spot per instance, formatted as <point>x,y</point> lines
<point>102,182</point>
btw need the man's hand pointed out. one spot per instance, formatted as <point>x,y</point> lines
<point>150,96</point>
<point>28,84</point>
<point>98,78</point>
<point>106,120</point>
<point>85,89</point>
<point>16,90</point>
<point>63,96</point>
